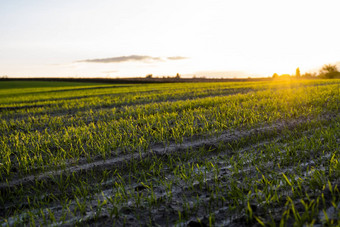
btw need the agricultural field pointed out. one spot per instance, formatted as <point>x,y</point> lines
<point>173,154</point>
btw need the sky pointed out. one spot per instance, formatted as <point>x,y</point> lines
<point>102,38</point>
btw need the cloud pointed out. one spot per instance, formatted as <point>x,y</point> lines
<point>177,58</point>
<point>143,58</point>
<point>122,59</point>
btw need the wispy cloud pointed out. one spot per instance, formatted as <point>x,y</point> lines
<point>177,58</point>
<point>120,59</point>
<point>143,58</point>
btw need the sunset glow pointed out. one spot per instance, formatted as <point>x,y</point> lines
<point>134,38</point>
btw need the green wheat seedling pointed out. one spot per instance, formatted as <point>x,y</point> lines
<point>264,153</point>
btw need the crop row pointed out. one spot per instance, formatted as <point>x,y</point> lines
<point>269,179</point>
<point>182,154</point>
<point>33,145</point>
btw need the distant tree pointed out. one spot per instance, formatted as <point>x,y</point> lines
<point>149,76</point>
<point>329,68</point>
<point>297,72</point>
<point>178,76</point>
<point>275,75</point>
<point>329,71</point>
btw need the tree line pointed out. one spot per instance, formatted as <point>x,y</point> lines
<point>328,71</point>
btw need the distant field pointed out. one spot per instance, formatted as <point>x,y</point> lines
<point>185,154</point>
<point>41,84</point>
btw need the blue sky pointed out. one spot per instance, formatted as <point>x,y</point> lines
<point>135,38</point>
